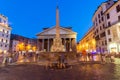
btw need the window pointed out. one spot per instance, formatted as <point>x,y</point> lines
<point>108,3</point>
<point>103,26</point>
<point>118,18</point>
<point>6,41</point>
<point>110,40</point>
<point>108,31</point>
<point>102,34</point>
<point>102,19</point>
<point>97,37</point>
<point>109,24</point>
<point>1,45</point>
<point>3,30</point>
<point>2,40</point>
<point>6,36</point>
<point>105,42</point>
<point>5,22</point>
<point>98,15</point>
<point>118,8</point>
<point>101,12</point>
<point>108,16</point>
<point>97,30</point>
<point>7,32</point>
<point>99,21</point>
<point>5,45</point>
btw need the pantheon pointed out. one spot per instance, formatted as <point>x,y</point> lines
<point>45,38</point>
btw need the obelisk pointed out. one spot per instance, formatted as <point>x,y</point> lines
<point>57,23</point>
<point>57,41</point>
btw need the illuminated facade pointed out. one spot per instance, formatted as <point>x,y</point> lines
<point>45,39</point>
<point>68,37</point>
<point>20,43</point>
<point>5,32</point>
<point>106,29</point>
<point>113,28</point>
<point>99,22</point>
<point>88,42</point>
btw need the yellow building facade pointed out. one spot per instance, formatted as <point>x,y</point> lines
<point>88,42</point>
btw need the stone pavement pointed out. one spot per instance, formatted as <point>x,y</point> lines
<point>81,71</point>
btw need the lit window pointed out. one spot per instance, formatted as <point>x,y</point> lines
<point>6,41</point>
<point>1,30</point>
<point>7,32</point>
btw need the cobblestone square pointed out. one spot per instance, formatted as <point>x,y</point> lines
<point>77,72</point>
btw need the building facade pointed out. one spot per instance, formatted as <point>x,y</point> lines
<point>113,28</point>
<point>21,43</point>
<point>88,42</point>
<point>99,22</point>
<point>106,28</point>
<point>5,31</point>
<point>45,39</point>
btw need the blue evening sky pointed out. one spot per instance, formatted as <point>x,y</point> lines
<point>28,17</point>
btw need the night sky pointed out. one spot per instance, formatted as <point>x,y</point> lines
<point>28,17</point>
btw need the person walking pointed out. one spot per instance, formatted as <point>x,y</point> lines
<point>5,58</point>
<point>84,55</point>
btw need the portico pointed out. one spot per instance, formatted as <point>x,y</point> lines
<point>45,39</point>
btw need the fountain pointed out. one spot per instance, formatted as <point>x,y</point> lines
<point>57,42</point>
<point>57,57</point>
<point>58,49</point>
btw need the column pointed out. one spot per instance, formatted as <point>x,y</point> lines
<point>65,43</point>
<point>70,47</point>
<point>70,42</point>
<point>48,45</point>
<point>43,44</point>
<point>74,44</point>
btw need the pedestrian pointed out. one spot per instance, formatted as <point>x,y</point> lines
<point>10,58</point>
<point>89,56</point>
<point>104,57</point>
<point>112,57</point>
<point>37,56</point>
<point>5,58</point>
<point>84,55</point>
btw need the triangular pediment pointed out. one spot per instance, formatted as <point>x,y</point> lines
<point>52,31</point>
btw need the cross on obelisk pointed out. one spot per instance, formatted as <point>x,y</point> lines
<point>57,23</point>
